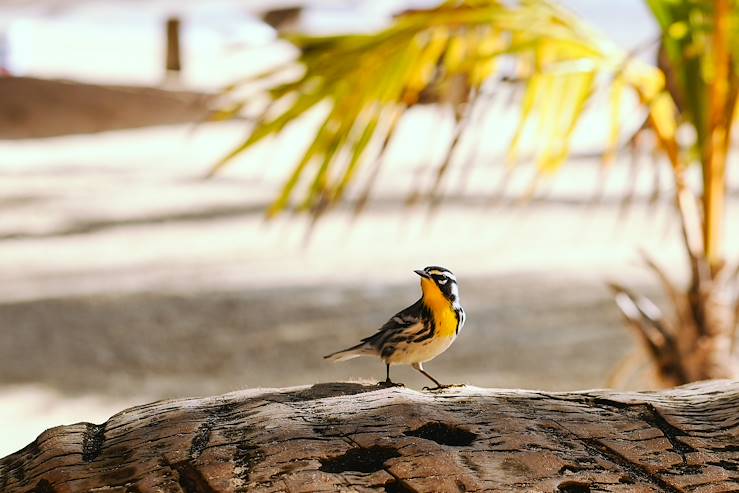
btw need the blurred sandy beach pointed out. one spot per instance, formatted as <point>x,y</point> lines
<point>126,277</point>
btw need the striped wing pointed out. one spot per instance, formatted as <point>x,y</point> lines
<point>408,325</point>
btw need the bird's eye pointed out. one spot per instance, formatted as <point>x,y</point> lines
<point>442,281</point>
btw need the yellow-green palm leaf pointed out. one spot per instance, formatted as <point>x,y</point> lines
<point>444,55</point>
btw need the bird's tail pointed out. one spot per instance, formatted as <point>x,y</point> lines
<point>361,349</point>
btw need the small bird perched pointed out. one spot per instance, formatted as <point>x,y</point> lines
<point>418,333</point>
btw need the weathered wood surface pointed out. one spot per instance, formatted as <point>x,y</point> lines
<point>350,437</point>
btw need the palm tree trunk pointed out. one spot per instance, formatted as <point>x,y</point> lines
<point>705,341</point>
<point>708,349</point>
<point>716,145</point>
<point>697,343</point>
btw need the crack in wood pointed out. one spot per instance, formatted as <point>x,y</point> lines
<point>43,486</point>
<point>444,434</point>
<point>359,459</point>
<point>92,441</point>
<point>19,471</point>
<point>190,479</point>
<point>634,468</point>
<point>648,413</point>
<point>201,438</point>
<point>397,485</point>
<point>725,464</point>
<point>246,457</point>
<point>574,486</point>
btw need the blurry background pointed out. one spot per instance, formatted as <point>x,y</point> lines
<point>126,277</point>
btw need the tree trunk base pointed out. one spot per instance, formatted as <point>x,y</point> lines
<point>353,437</point>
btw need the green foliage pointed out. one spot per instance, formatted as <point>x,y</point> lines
<point>700,40</point>
<point>688,27</point>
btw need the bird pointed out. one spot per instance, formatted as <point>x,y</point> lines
<point>418,333</point>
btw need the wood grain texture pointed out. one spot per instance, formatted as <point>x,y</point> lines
<point>353,437</point>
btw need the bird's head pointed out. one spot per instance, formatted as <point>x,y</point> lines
<point>438,280</point>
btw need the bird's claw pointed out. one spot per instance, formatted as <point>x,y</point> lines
<point>388,383</point>
<point>442,387</point>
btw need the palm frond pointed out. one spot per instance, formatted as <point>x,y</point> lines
<point>700,43</point>
<point>444,56</point>
<point>657,337</point>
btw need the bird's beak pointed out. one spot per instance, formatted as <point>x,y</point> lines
<point>422,274</point>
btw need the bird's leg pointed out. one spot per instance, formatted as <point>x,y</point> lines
<point>388,382</point>
<point>419,367</point>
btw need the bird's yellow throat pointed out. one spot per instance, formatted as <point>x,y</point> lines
<point>441,307</point>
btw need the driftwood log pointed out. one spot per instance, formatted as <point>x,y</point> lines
<point>353,437</point>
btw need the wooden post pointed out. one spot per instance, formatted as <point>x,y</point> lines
<point>174,60</point>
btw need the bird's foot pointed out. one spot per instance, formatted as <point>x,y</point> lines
<point>442,387</point>
<point>388,383</point>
